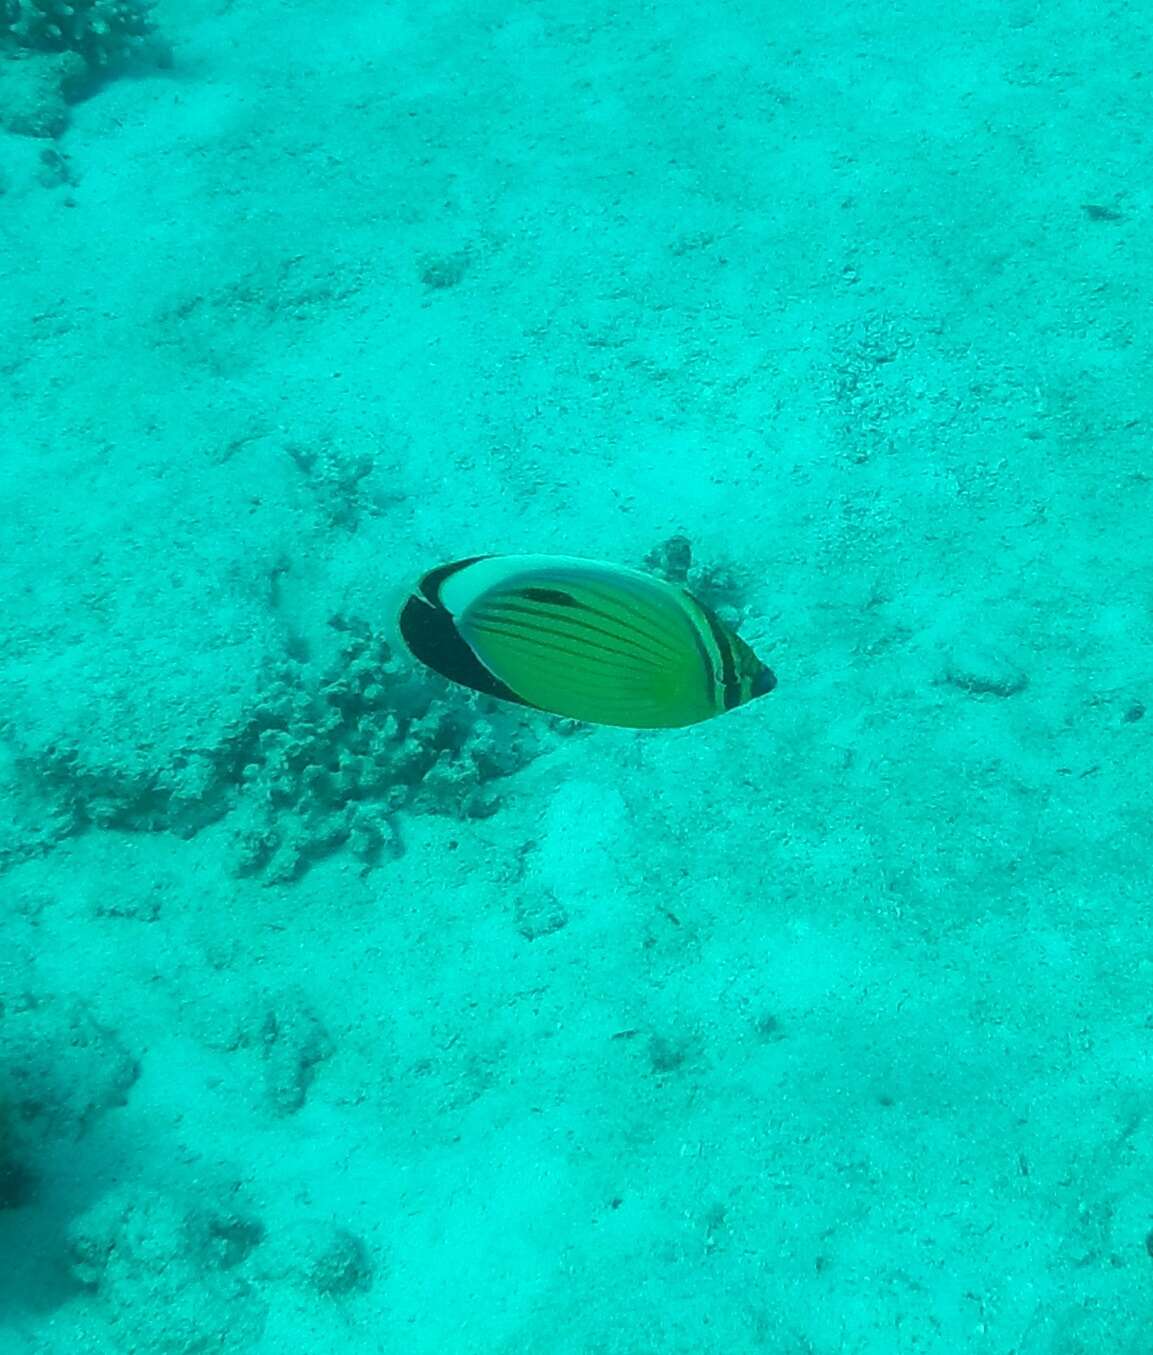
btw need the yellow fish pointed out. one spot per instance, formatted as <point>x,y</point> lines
<point>580,638</point>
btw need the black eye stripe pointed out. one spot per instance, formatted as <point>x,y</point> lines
<point>729,683</point>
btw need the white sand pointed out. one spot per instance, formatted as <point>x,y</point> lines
<point>844,1044</point>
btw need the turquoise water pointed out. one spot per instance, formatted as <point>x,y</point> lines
<point>341,1012</point>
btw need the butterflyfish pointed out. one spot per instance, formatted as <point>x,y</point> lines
<point>580,638</point>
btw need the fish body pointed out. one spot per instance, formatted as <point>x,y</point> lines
<point>584,639</point>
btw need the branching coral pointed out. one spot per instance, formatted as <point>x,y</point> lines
<point>61,50</point>
<point>107,33</point>
<point>318,762</point>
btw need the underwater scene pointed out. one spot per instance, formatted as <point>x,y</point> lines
<point>576,678</point>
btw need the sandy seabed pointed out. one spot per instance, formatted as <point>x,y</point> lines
<point>339,1012</point>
